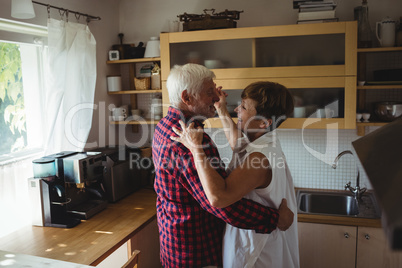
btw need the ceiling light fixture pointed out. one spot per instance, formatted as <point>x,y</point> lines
<point>22,9</point>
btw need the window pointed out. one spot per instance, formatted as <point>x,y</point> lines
<point>21,88</point>
<point>21,127</point>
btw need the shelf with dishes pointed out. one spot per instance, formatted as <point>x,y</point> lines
<point>378,79</point>
<point>143,87</point>
<point>139,60</point>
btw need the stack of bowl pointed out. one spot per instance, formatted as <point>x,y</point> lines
<point>388,111</point>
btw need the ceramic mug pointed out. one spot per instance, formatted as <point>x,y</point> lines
<point>299,112</point>
<point>385,32</point>
<point>325,113</point>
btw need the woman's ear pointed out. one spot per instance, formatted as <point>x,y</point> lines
<point>185,97</point>
<point>265,123</point>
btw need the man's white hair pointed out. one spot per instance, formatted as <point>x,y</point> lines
<point>188,77</point>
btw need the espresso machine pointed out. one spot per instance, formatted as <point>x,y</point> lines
<point>66,188</point>
<point>122,174</point>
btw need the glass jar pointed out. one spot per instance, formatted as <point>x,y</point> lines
<point>364,30</point>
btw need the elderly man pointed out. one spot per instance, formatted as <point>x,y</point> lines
<point>190,229</point>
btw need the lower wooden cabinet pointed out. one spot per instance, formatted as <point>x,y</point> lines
<point>373,250</point>
<point>325,245</point>
<point>147,241</point>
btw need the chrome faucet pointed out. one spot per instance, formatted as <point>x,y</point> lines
<point>357,191</point>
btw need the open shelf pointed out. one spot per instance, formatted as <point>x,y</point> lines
<point>144,122</point>
<point>379,49</point>
<point>133,60</point>
<point>133,98</point>
<point>371,124</point>
<point>361,126</point>
<point>148,91</point>
<point>380,87</point>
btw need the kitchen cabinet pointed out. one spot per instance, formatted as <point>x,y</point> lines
<point>147,241</point>
<point>132,91</point>
<point>317,62</point>
<point>373,250</point>
<point>326,245</point>
<point>369,61</point>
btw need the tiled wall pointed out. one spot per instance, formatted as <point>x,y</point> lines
<point>310,154</point>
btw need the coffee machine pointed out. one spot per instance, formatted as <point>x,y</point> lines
<point>66,188</point>
<point>122,174</point>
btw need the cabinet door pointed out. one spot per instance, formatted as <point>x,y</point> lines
<point>268,51</point>
<point>337,95</point>
<point>295,55</point>
<point>147,241</point>
<point>323,245</point>
<point>373,250</point>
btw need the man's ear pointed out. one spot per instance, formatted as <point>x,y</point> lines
<point>185,97</point>
<point>265,123</point>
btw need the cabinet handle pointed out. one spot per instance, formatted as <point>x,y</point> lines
<point>346,235</point>
<point>367,236</point>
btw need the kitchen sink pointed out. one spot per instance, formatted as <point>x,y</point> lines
<point>337,204</point>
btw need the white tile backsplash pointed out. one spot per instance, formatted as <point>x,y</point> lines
<point>310,154</point>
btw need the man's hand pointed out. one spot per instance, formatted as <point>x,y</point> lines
<point>285,216</point>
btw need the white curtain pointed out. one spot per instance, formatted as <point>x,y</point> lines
<point>71,85</point>
<point>14,196</point>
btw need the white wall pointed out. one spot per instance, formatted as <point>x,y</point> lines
<point>139,19</point>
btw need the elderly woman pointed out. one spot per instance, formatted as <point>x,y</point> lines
<point>258,171</point>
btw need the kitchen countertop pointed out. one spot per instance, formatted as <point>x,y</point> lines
<point>16,260</point>
<point>92,240</point>
<point>337,220</point>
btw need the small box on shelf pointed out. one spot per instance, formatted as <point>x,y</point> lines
<point>142,83</point>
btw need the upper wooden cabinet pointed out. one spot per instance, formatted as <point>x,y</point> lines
<point>317,62</point>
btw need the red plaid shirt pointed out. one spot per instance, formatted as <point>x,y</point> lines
<point>190,229</point>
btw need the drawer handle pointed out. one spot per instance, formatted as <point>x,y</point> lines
<point>367,236</point>
<point>346,235</point>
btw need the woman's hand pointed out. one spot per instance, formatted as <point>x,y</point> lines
<point>189,136</point>
<point>221,104</point>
